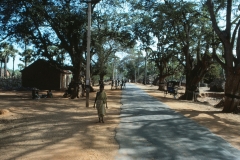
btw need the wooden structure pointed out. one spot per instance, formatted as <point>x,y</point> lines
<point>44,76</point>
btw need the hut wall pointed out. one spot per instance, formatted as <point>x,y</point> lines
<point>42,77</point>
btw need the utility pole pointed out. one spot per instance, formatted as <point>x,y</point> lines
<point>113,69</point>
<point>88,55</point>
<point>135,76</point>
<point>145,73</point>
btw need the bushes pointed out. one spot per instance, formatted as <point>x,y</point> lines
<point>217,85</point>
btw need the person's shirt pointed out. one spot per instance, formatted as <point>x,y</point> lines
<point>101,96</point>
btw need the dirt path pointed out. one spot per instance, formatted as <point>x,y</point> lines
<point>61,128</point>
<point>56,128</point>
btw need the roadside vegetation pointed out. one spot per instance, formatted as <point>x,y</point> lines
<point>140,40</point>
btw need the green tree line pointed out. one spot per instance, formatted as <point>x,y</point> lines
<point>179,38</point>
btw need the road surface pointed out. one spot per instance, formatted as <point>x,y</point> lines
<point>150,130</point>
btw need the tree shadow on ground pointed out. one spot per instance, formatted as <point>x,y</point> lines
<point>37,125</point>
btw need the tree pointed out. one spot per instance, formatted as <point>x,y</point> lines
<point>49,23</point>
<point>20,66</point>
<point>56,23</point>
<point>182,40</point>
<point>108,39</point>
<point>27,57</point>
<point>6,51</point>
<point>153,27</point>
<point>13,72</point>
<point>132,65</point>
<point>192,40</point>
<point>229,36</point>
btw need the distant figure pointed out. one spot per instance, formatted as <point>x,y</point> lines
<point>112,84</point>
<point>122,83</point>
<point>35,93</point>
<point>49,94</point>
<point>101,101</point>
<point>116,84</point>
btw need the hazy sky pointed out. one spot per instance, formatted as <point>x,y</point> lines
<point>17,61</point>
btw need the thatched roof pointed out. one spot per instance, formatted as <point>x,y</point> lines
<point>40,62</point>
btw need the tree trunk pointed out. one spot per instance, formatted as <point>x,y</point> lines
<point>101,78</point>
<point>25,63</point>
<point>232,92</point>
<point>13,72</point>
<point>190,92</point>
<point>162,84</point>
<point>194,76</point>
<point>5,67</point>
<point>192,80</point>
<point>76,78</point>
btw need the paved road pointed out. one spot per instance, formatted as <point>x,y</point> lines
<point>151,130</point>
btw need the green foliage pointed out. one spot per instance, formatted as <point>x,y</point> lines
<point>17,73</point>
<point>214,72</point>
<point>175,34</point>
<point>27,56</point>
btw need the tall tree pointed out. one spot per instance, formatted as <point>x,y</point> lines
<point>229,37</point>
<point>192,42</point>
<point>60,23</point>
<point>13,72</point>
<point>49,23</point>
<point>110,35</point>
<point>7,50</point>
<point>27,57</point>
<point>181,36</point>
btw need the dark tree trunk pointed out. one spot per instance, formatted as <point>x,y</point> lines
<point>101,78</point>
<point>189,92</point>
<point>77,80</point>
<point>161,86</point>
<point>13,72</point>
<point>194,76</point>
<point>227,37</point>
<point>191,85</point>
<point>5,67</point>
<point>232,92</point>
<point>25,63</point>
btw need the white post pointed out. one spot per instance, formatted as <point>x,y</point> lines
<point>135,77</point>
<point>88,55</point>
<point>113,69</point>
<point>145,72</point>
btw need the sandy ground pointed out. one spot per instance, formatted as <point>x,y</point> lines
<point>61,128</point>
<point>56,128</point>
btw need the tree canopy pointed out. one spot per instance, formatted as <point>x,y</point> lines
<point>181,38</point>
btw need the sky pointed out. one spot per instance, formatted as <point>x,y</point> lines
<point>17,61</point>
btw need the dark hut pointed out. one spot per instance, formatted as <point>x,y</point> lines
<point>44,76</point>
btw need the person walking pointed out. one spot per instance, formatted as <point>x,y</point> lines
<point>100,102</point>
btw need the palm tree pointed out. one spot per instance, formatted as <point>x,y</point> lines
<point>13,72</point>
<point>26,56</point>
<point>6,51</point>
